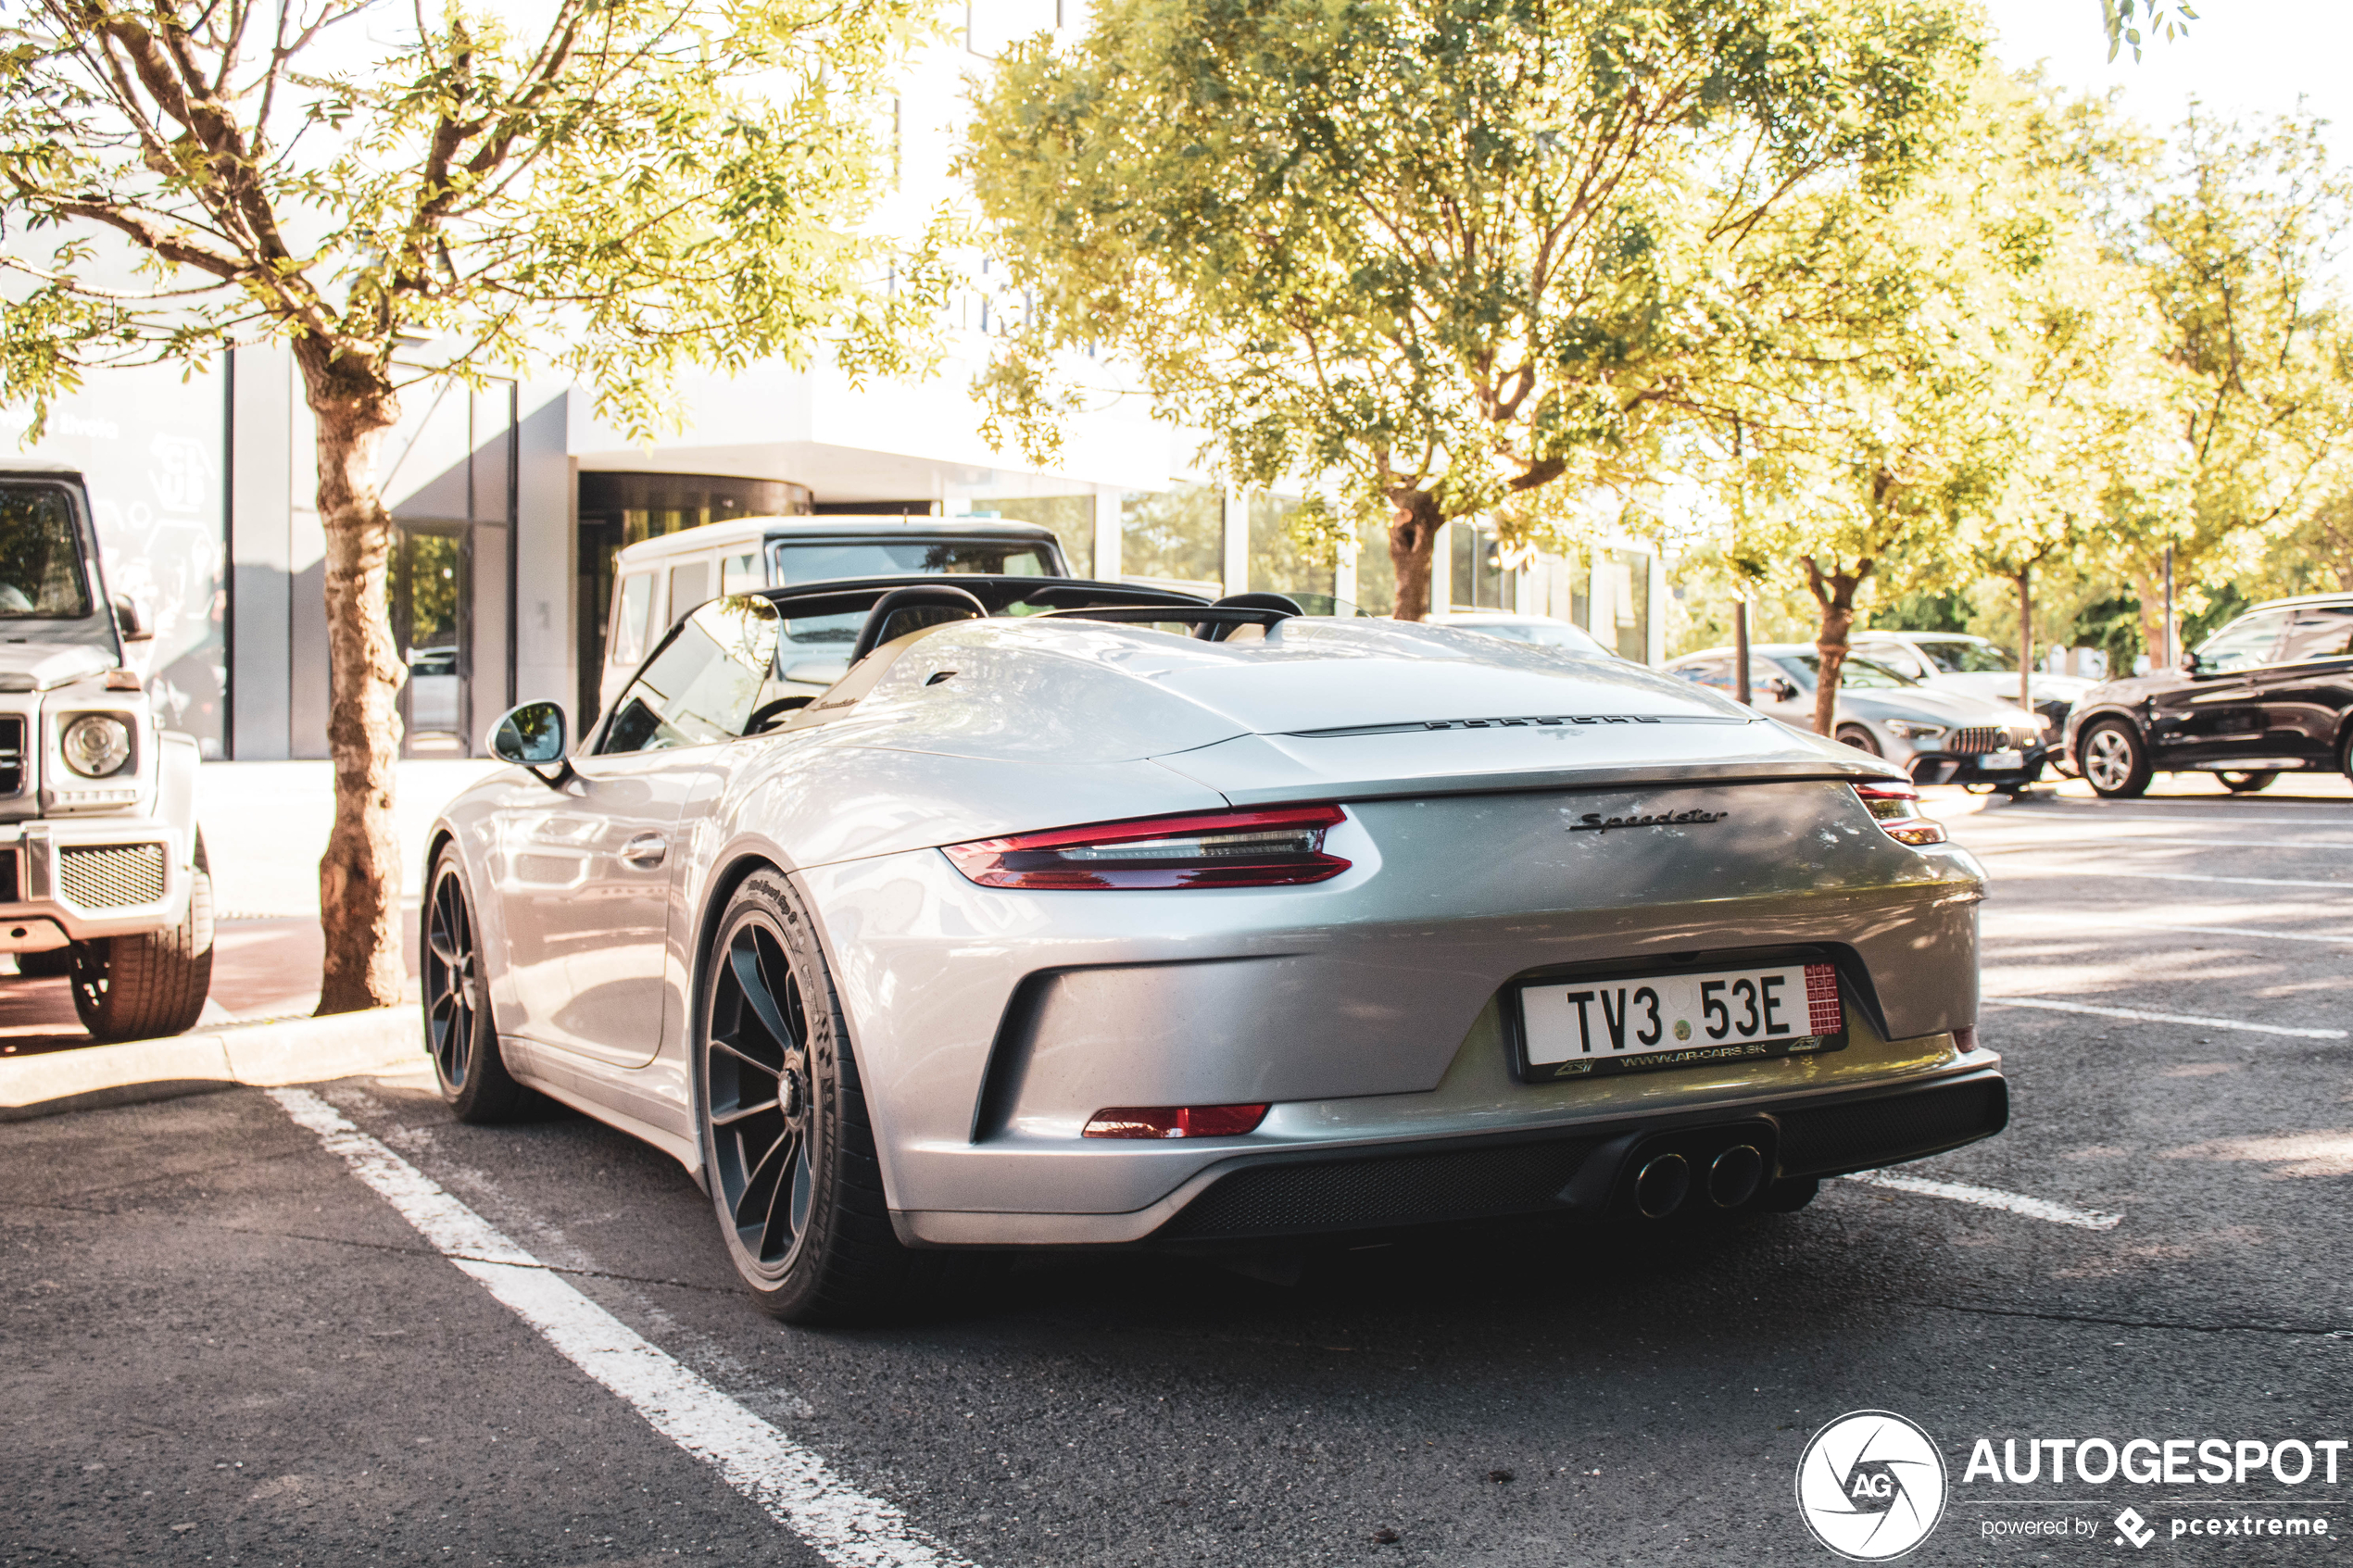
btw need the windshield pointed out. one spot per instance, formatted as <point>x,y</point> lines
<point>41,575</point>
<point>822,560</point>
<point>1856,673</point>
<point>1969,658</point>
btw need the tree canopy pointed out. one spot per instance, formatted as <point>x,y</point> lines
<point>1433,256</point>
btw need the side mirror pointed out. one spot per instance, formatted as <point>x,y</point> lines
<point>130,622</point>
<point>1780,689</point>
<point>533,736</point>
<point>2192,663</point>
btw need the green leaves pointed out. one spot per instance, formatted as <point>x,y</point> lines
<point>637,186</point>
<point>1465,248</point>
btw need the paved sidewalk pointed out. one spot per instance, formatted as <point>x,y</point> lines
<point>265,826</point>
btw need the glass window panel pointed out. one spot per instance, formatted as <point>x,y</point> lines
<point>822,561</point>
<point>740,572</point>
<point>704,683</point>
<point>2247,641</point>
<point>1173,536</point>
<point>1071,516</point>
<point>1375,573</point>
<point>2323,632</point>
<point>41,571</point>
<point>1278,562</point>
<point>630,621</point>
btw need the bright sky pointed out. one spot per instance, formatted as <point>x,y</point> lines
<point>2240,58</point>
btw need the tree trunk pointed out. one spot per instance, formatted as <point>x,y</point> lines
<point>1413,535</point>
<point>2025,639</point>
<point>359,875</point>
<point>2150,586</point>
<point>1834,591</point>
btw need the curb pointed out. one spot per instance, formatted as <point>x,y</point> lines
<point>296,1050</point>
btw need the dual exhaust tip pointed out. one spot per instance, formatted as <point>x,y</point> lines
<point>1664,1183</point>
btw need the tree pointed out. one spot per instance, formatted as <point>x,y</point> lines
<point>1434,257</point>
<point>639,185</point>
<point>1868,426</point>
<point>2236,242</point>
<point>2124,19</point>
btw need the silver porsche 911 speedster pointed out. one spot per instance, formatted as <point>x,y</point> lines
<point>1083,915</point>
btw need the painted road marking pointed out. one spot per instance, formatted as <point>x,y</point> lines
<point>2181,876</point>
<point>2075,928</point>
<point>2333,814</point>
<point>2200,1019</point>
<point>791,1483</point>
<point>1991,1198</point>
<point>2139,840</point>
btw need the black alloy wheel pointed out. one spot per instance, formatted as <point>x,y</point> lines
<point>788,1154</point>
<point>2114,759</point>
<point>459,1036</point>
<point>1860,740</point>
<point>757,1078</point>
<point>2246,782</point>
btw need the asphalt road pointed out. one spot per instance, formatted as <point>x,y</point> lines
<point>222,1347</point>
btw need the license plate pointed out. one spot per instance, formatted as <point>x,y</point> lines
<point>1579,1028</point>
<point>2001,761</point>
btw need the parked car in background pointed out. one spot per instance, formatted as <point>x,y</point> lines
<point>657,581</point>
<point>1977,667</point>
<point>1537,630</point>
<point>1936,736</point>
<point>1078,915</point>
<point>102,867</point>
<point>2271,692</point>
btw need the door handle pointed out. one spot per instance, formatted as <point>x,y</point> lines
<point>645,850</point>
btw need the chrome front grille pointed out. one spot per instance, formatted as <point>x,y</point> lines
<point>111,876</point>
<point>1979,739</point>
<point>11,754</point>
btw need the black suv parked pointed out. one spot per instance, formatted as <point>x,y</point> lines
<point>2270,693</point>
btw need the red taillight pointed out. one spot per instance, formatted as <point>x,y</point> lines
<point>1272,849</point>
<point>1175,1120</point>
<point>1897,807</point>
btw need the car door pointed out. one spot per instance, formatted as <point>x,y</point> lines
<point>592,884</point>
<point>2307,695</point>
<point>2213,713</point>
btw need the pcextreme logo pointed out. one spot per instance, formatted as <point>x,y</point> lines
<point>1870,1485</point>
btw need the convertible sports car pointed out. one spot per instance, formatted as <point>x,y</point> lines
<point>1081,915</point>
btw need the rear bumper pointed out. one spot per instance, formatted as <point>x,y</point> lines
<point>68,880</point>
<point>1561,1171</point>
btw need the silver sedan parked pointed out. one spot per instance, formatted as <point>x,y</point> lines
<point>1080,915</point>
<point>1936,736</point>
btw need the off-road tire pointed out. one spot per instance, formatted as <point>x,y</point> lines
<point>153,984</point>
<point>812,1236</point>
<point>2112,750</point>
<point>467,1066</point>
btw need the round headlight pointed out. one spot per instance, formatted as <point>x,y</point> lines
<point>97,745</point>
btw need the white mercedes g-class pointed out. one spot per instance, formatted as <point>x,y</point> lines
<point>102,868</point>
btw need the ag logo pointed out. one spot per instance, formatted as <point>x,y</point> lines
<point>1870,1485</point>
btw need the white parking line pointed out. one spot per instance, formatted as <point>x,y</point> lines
<point>2186,876</point>
<point>2335,814</point>
<point>2200,1019</point>
<point>1993,1198</point>
<point>796,1487</point>
<point>2075,927</point>
<point>2137,840</point>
